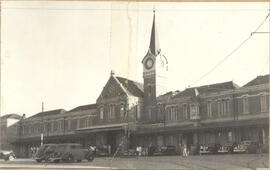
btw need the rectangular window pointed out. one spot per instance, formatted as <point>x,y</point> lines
<point>185,111</point>
<point>73,124</point>
<point>149,113</point>
<point>61,123</point>
<point>48,127</point>
<point>89,121</point>
<point>24,130</point>
<point>263,102</point>
<point>36,128</point>
<point>194,111</point>
<point>209,109</point>
<point>228,107</point>
<point>223,107</point>
<point>69,124</point>
<point>55,126</point>
<point>245,105</point>
<point>219,108</point>
<point>51,124</point>
<point>82,122</point>
<point>138,111</point>
<point>169,113</point>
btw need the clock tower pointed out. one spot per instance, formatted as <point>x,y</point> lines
<point>155,68</point>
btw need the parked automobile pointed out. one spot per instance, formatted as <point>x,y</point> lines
<point>247,146</point>
<point>129,153</point>
<point>210,149</point>
<point>102,151</point>
<point>7,155</point>
<point>163,150</point>
<point>168,150</point>
<point>214,148</point>
<point>227,148</point>
<point>43,152</point>
<point>70,152</point>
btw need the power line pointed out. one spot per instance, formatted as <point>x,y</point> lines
<point>231,53</point>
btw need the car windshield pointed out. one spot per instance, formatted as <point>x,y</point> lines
<point>61,147</point>
<point>76,147</point>
<point>247,142</point>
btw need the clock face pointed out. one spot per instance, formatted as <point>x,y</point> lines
<point>149,63</point>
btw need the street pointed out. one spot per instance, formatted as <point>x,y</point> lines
<point>236,161</point>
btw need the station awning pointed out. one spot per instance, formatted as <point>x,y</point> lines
<point>202,125</point>
<point>103,128</point>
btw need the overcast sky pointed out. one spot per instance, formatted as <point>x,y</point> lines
<point>62,52</point>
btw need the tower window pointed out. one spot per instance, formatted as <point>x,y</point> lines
<point>150,90</point>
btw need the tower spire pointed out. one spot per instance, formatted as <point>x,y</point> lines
<point>154,44</point>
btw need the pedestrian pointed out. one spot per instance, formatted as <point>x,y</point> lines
<point>260,149</point>
<point>109,149</point>
<point>201,149</point>
<point>180,148</point>
<point>32,151</point>
<point>137,152</point>
<point>185,151</point>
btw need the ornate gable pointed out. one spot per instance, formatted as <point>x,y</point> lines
<point>111,90</point>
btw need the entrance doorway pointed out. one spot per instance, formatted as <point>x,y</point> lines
<point>188,139</point>
<point>112,141</point>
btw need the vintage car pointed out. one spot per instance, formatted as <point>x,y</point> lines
<point>227,148</point>
<point>70,152</point>
<point>102,151</point>
<point>129,153</point>
<point>7,155</point>
<point>163,150</point>
<point>246,146</point>
<point>210,149</point>
<point>43,152</point>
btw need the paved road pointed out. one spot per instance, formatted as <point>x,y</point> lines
<point>235,161</point>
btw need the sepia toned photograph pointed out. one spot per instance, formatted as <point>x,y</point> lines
<point>134,85</point>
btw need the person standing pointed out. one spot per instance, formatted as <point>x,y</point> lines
<point>185,151</point>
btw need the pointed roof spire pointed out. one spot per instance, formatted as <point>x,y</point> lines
<point>154,44</point>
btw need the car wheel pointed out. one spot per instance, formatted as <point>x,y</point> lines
<point>70,158</point>
<point>38,160</point>
<point>11,157</point>
<point>90,158</point>
<point>79,160</point>
<point>56,161</point>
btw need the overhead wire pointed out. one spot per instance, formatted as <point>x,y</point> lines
<point>231,53</point>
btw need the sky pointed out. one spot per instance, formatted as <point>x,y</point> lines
<point>62,53</point>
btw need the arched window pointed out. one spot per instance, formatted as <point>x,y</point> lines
<point>101,112</point>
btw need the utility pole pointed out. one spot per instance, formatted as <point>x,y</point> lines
<point>42,127</point>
